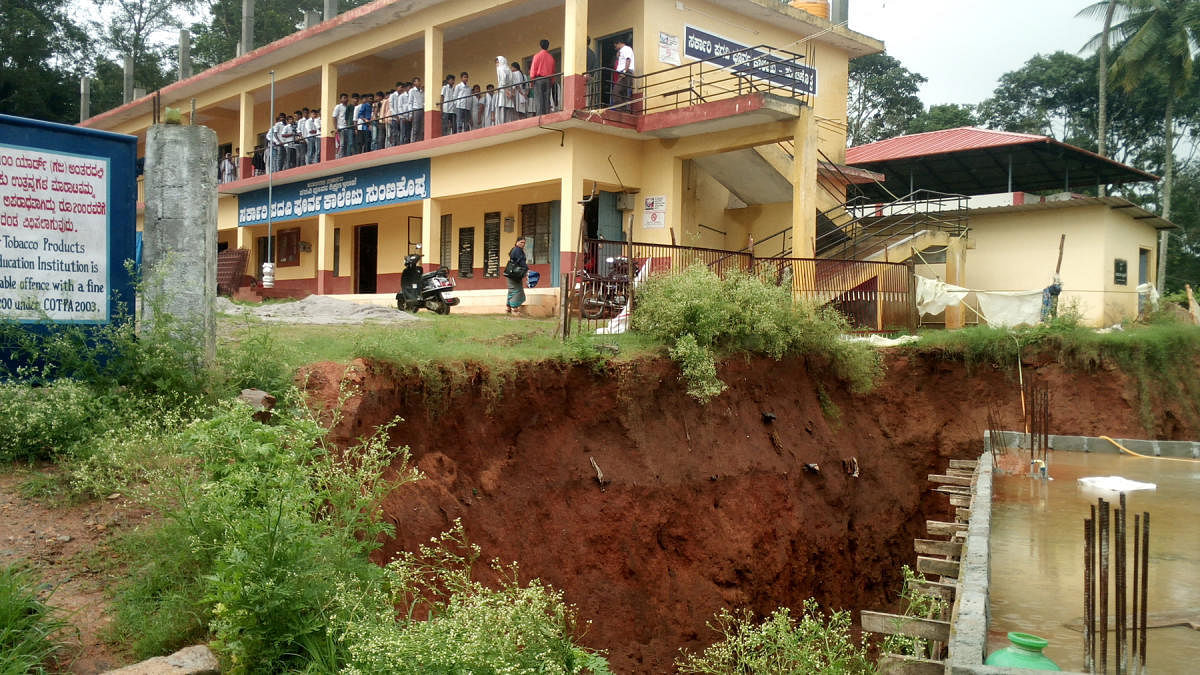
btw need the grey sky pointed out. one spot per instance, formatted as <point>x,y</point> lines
<point>964,46</point>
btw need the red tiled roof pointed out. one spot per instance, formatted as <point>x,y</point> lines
<point>937,143</point>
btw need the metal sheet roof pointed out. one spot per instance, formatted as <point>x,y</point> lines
<point>974,161</point>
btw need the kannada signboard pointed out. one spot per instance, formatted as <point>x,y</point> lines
<point>67,210</point>
<point>365,188</point>
<point>702,45</point>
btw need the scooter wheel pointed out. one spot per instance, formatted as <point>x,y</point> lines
<point>438,306</point>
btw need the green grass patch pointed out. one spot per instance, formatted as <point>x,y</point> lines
<point>29,627</point>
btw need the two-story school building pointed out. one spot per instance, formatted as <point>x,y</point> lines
<point>731,125</point>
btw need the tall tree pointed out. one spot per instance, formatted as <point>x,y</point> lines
<point>1109,8</point>
<point>1184,261</point>
<point>882,99</point>
<point>1051,95</point>
<point>38,69</point>
<point>216,36</point>
<point>1158,40</point>
<point>139,28</point>
<point>943,116</point>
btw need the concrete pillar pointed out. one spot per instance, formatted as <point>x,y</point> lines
<point>329,99</point>
<point>840,11</point>
<point>247,138</point>
<point>331,9</point>
<point>574,54</point>
<point>85,98</point>
<point>311,18</point>
<point>324,250</point>
<point>185,54</point>
<point>431,225</point>
<point>179,253</point>
<point>433,81</point>
<point>804,185</point>
<point>956,274</point>
<point>139,92</point>
<point>247,43</point>
<point>127,80</point>
<point>570,213</point>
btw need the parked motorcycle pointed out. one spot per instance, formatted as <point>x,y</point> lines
<point>418,288</point>
<point>605,295</point>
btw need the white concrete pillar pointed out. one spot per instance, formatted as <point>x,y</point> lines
<point>247,43</point>
<point>185,54</point>
<point>804,185</point>
<point>85,98</point>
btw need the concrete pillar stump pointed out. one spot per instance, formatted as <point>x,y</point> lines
<point>179,249</point>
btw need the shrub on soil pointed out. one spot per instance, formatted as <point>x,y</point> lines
<point>701,317</point>
<point>781,643</point>
<point>28,626</point>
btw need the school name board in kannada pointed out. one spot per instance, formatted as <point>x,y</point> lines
<point>54,231</point>
<point>365,188</point>
<point>702,45</point>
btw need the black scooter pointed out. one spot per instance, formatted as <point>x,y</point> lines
<point>418,288</point>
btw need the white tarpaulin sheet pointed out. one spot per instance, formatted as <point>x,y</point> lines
<point>934,296</point>
<point>1010,308</point>
<point>1115,483</point>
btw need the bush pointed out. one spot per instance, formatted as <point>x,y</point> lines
<point>40,422</point>
<point>701,316</point>
<point>781,644</point>
<point>28,626</point>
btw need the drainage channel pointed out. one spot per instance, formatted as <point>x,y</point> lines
<point>1022,561</point>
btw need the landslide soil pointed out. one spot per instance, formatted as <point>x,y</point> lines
<point>701,506</point>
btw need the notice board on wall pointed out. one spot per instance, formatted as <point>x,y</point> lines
<point>466,252</point>
<point>68,199</point>
<point>491,244</point>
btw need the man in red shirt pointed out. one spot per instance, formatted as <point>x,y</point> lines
<point>541,71</point>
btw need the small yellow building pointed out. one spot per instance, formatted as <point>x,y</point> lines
<point>730,126</point>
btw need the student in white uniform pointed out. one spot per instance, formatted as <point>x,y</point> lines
<point>463,103</point>
<point>447,109</point>
<point>417,103</point>
<point>314,136</point>
<point>523,105</point>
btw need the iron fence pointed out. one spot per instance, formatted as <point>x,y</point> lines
<point>600,293</point>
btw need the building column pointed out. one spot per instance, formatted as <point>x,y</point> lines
<point>246,136</point>
<point>574,55</point>
<point>324,251</point>
<point>431,224</point>
<point>329,99</point>
<point>956,275</point>
<point>804,185</point>
<point>433,81</point>
<point>570,216</point>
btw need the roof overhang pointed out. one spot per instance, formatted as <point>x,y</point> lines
<point>1133,211</point>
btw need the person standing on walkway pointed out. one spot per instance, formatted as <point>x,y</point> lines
<point>541,71</point>
<point>340,126</point>
<point>514,277</point>
<point>505,96</point>
<point>464,102</point>
<point>520,89</point>
<point>416,103</point>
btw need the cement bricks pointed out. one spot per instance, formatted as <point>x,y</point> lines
<point>179,250</point>
<point>1153,448</point>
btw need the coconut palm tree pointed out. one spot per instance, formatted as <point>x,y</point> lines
<point>1159,39</point>
<point>1109,8</point>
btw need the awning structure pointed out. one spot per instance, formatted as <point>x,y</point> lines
<point>973,161</point>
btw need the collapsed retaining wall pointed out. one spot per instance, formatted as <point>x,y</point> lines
<point>701,506</point>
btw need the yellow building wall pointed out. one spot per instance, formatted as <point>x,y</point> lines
<point>469,212</point>
<point>1018,251</point>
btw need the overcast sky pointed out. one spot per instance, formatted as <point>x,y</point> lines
<point>963,46</point>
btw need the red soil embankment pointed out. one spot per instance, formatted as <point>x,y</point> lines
<point>706,506</point>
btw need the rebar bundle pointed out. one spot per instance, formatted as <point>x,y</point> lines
<point>1104,543</point>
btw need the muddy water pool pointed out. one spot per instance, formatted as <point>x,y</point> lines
<point>1037,554</point>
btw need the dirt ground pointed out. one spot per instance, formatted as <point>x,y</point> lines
<point>68,547</point>
<point>700,507</point>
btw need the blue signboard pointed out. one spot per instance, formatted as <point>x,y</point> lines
<point>365,188</point>
<point>739,58</point>
<point>68,200</point>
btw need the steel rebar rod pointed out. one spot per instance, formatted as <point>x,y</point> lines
<point>1088,560</point>
<point>1103,586</point>
<point>1133,624</point>
<point>1145,584</point>
<point>1121,589</point>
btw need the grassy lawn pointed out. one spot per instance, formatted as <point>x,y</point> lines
<point>493,340</point>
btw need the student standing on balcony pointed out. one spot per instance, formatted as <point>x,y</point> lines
<point>417,104</point>
<point>314,136</point>
<point>520,91</point>
<point>377,122</point>
<point>228,169</point>
<point>490,98</point>
<point>406,114</point>
<point>623,78</point>
<point>463,103</point>
<point>394,111</point>
<point>352,110</point>
<point>275,138</point>
<point>541,71</point>
<point>505,96</point>
<point>447,108</point>
<point>477,106</point>
<point>362,116</point>
<point>339,125</point>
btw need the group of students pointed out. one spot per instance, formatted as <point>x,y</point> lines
<point>295,140</point>
<point>380,120</point>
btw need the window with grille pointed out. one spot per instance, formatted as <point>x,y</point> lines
<point>288,254</point>
<point>444,257</point>
<point>535,227</point>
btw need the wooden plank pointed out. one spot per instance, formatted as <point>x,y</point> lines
<point>936,547</point>
<point>938,566</point>
<point>960,500</point>
<point>953,490</point>
<point>896,664</point>
<point>895,624</point>
<point>960,472</point>
<point>963,481</point>
<point>940,589</point>
<point>964,463</point>
<point>940,529</point>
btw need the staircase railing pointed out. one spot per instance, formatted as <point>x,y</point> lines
<point>874,226</point>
